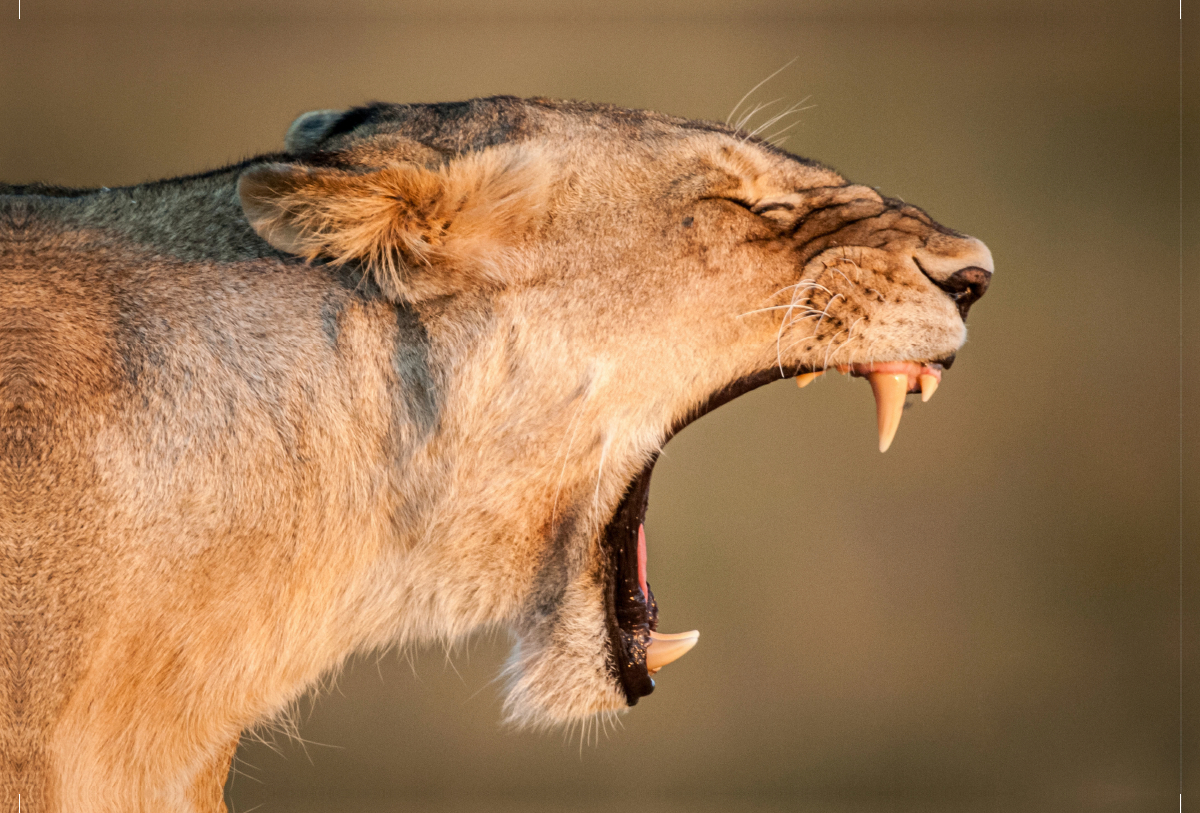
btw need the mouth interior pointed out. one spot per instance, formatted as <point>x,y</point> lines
<point>632,611</point>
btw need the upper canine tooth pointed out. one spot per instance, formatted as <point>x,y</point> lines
<point>929,385</point>
<point>805,379</point>
<point>664,649</point>
<point>889,389</point>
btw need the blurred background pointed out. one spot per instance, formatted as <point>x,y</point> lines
<point>985,618</point>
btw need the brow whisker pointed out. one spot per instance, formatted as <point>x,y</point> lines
<point>750,92</point>
<point>758,108</point>
<point>769,122</point>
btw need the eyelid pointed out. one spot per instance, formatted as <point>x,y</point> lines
<point>739,202</point>
<point>761,210</point>
<point>773,206</point>
<point>757,208</point>
<point>745,204</point>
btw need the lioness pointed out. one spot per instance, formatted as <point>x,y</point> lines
<point>407,379</point>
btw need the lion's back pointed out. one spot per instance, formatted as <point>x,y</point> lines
<point>58,373</point>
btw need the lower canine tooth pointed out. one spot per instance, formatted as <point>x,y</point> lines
<point>929,385</point>
<point>664,649</point>
<point>804,380</point>
<point>889,389</point>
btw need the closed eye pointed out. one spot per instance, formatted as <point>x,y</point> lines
<point>775,206</point>
<point>776,213</point>
<point>758,208</point>
<point>745,204</point>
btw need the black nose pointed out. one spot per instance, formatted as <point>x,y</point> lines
<point>965,286</point>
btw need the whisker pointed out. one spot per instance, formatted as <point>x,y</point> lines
<point>844,257</point>
<point>778,133</point>
<point>771,121</point>
<point>803,285</point>
<point>750,92</point>
<point>839,271</point>
<point>825,312</point>
<point>772,308</point>
<point>794,109</point>
<point>831,346</point>
<point>758,108</point>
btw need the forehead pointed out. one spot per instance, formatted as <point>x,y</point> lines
<point>584,129</point>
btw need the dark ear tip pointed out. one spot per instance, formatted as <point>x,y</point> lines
<point>307,131</point>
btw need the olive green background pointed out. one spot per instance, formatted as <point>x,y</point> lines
<point>985,618</point>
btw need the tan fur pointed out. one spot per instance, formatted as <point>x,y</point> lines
<point>403,219</point>
<point>396,398</point>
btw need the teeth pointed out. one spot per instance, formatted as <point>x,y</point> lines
<point>929,385</point>
<point>889,389</point>
<point>804,380</point>
<point>664,649</point>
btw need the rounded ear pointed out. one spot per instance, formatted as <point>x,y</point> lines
<point>309,128</point>
<point>263,191</point>
<point>419,232</point>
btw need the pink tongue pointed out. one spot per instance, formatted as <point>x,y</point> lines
<point>642,561</point>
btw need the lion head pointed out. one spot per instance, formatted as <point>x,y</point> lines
<point>590,280</point>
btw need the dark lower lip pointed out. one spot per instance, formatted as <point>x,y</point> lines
<point>631,615</point>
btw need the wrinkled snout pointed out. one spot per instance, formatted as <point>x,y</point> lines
<point>960,266</point>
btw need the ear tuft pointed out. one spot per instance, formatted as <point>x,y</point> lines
<point>419,232</point>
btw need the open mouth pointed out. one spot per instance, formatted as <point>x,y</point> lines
<point>637,649</point>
